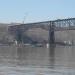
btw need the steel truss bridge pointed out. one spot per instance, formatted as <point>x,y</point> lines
<point>51,26</point>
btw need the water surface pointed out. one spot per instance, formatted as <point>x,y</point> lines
<point>27,60</point>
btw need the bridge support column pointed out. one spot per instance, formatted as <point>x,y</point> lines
<point>19,36</point>
<point>51,33</point>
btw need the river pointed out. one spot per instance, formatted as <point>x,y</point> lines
<point>27,60</point>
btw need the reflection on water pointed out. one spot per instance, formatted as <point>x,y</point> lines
<point>33,56</point>
<point>57,60</point>
<point>52,55</point>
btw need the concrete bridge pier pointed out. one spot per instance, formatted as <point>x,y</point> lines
<point>51,33</point>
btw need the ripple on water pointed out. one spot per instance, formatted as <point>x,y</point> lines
<point>33,70</point>
<point>21,61</point>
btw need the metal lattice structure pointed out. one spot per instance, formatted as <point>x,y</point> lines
<point>65,24</point>
<point>51,26</point>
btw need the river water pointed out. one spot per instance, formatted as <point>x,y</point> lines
<point>27,60</point>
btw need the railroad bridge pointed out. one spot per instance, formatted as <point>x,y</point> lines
<point>60,30</point>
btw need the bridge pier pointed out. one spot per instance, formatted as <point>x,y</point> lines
<point>19,36</point>
<point>51,33</point>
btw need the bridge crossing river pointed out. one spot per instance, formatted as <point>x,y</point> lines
<point>60,30</point>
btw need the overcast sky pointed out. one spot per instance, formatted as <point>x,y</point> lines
<point>35,10</point>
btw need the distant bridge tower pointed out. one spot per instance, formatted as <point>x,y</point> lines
<point>51,33</point>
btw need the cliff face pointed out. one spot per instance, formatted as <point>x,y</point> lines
<point>37,34</point>
<point>3,32</point>
<point>34,33</point>
<point>31,32</point>
<point>4,35</point>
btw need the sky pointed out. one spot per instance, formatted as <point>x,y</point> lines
<point>27,11</point>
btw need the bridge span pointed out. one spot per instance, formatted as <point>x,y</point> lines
<point>60,30</point>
